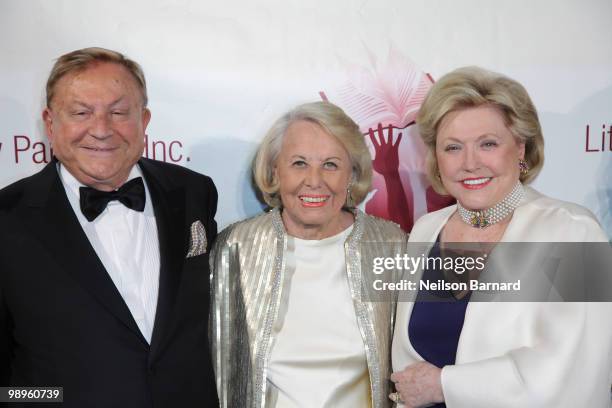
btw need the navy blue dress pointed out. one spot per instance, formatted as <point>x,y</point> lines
<point>436,321</point>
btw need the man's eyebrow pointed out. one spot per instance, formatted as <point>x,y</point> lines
<point>85,104</point>
<point>82,104</point>
<point>116,101</point>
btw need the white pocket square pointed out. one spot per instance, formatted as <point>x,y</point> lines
<point>197,241</point>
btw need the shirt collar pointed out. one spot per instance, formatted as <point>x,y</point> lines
<point>73,184</point>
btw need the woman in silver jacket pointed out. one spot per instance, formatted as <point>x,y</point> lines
<point>295,321</point>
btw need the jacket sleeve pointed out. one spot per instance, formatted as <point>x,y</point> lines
<point>211,208</point>
<point>219,311</point>
<point>6,347</point>
<point>567,365</point>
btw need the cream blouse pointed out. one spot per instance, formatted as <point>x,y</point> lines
<point>318,357</point>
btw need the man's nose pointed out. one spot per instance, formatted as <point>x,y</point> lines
<point>101,126</point>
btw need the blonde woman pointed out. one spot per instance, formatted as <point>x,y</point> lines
<point>485,145</point>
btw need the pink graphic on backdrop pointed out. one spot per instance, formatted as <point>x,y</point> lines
<point>383,99</point>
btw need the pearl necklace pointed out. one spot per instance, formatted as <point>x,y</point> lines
<point>493,215</point>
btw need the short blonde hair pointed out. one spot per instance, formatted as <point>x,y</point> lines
<point>334,121</point>
<point>472,87</point>
<point>80,60</point>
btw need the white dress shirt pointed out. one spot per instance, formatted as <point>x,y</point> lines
<point>127,244</point>
<point>318,358</point>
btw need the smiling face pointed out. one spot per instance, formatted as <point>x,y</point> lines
<point>477,156</point>
<point>96,124</point>
<point>313,170</point>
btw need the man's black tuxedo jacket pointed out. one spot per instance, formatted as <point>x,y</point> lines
<point>62,320</point>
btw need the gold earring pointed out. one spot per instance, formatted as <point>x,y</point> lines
<point>523,167</point>
<point>350,203</point>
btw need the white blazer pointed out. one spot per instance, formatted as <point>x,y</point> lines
<point>524,354</point>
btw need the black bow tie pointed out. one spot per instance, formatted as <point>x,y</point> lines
<point>131,194</point>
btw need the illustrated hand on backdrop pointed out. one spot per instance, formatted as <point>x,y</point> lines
<point>386,160</point>
<point>386,163</point>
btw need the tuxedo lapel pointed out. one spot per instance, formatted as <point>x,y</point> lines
<point>50,218</point>
<point>169,207</point>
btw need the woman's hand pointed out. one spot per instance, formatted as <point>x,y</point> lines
<point>419,384</point>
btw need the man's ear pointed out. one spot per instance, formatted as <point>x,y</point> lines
<point>47,116</point>
<point>146,117</point>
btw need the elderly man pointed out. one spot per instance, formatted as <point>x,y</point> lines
<point>104,279</point>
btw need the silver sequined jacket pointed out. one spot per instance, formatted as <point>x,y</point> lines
<point>249,269</point>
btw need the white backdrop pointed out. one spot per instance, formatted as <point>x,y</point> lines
<point>220,72</point>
